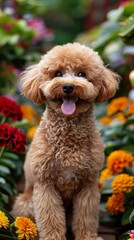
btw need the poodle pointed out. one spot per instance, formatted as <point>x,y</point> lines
<point>67,153</point>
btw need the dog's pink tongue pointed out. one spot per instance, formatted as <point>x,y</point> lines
<point>68,106</point>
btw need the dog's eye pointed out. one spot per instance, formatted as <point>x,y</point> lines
<point>58,74</point>
<point>81,74</point>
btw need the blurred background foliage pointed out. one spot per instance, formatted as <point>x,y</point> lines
<point>29,29</point>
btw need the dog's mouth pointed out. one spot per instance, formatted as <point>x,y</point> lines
<point>68,105</point>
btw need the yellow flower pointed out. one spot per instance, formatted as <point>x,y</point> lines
<point>31,132</point>
<point>3,220</point>
<point>115,203</point>
<point>105,120</point>
<point>26,228</point>
<point>117,104</point>
<point>119,159</point>
<point>105,174</point>
<point>123,183</point>
<point>28,112</point>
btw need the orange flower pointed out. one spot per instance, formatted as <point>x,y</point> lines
<point>105,120</point>
<point>26,228</point>
<point>105,174</point>
<point>119,159</point>
<point>123,183</point>
<point>28,112</point>
<point>31,132</point>
<point>115,203</point>
<point>117,104</point>
<point>3,220</point>
<point>120,117</point>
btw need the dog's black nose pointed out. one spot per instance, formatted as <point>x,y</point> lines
<point>68,88</point>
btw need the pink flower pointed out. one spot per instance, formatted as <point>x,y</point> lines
<point>131,234</point>
<point>40,29</point>
<point>8,26</point>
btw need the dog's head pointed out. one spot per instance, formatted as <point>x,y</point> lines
<point>68,78</point>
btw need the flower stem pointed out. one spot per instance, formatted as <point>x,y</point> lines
<point>1,152</point>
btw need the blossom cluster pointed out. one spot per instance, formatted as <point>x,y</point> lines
<point>10,108</point>
<point>122,183</point>
<point>119,109</point>
<point>24,227</point>
<point>12,136</point>
<point>115,163</point>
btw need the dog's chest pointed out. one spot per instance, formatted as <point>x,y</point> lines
<point>70,165</point>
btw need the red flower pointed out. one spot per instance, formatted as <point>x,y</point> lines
<point>9,108</point>
<point>12,136</point>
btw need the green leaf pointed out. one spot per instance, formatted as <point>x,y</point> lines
<point>4,169</point>
<point>129,196</point>
<point>7,162</point>
<point>21,124</point>
<point>2,180</point>
<point>10,155</point>
<point>125,217</point>
<point>131,217</point>
<point>128,148</point>
<point>127,31</point>
<point>124,236</point>
<point>109,32</point>
<point>129,8</point>
<point>128,122</point>
<point>6,188</point>
<point>116,14</point>
<point>4,197</point>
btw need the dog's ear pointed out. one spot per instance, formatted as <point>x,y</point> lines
<point>110,84</point>
<point>30,84</point>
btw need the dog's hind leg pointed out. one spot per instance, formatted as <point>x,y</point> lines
<point>23,205</point>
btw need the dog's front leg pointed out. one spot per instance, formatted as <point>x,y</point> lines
<point>49,212</point>
<point>86,213</point>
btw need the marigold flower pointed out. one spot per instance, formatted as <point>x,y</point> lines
<point>115,203</point>
<point>118,104</point>
<point>123,183</point>
<point>10,108</point>
<point>119,159</point>
<point>25,228</point>
<point>28,112</point>
<point>120,117</point>
<point>105,174</point>
<point>3,220</point>
<point>31,132</point>
<point>105,120</point>
<point>131,234</point>
<point>12,136</point>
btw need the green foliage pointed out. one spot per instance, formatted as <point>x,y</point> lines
<point>120,23</point>
<point>10,169</point>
